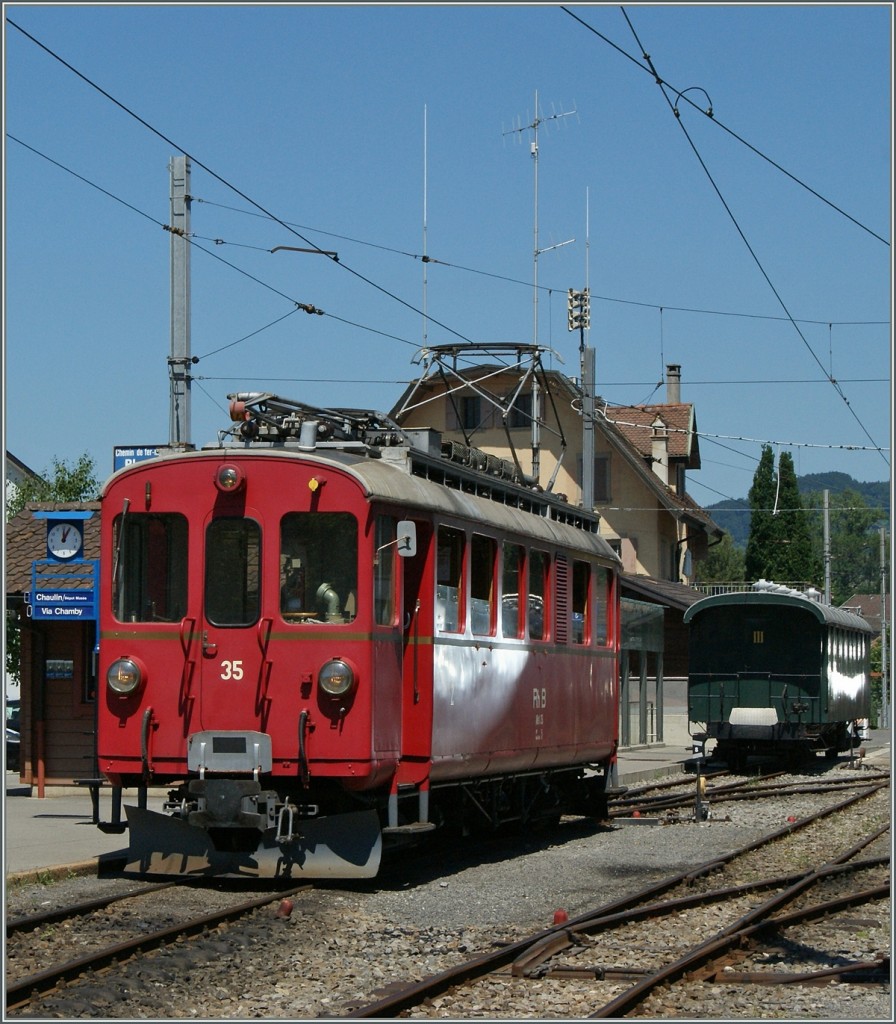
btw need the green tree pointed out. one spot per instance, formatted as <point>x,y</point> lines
<point>724,563</point>
<point>854,543</point>
<point>793,558</point>
<point>779,545</point>
<point>762,527</point>
<point>66,483</point>
<point>876,666</point>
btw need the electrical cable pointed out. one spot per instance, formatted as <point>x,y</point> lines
<point>715,120</point>
<point>746,242</point>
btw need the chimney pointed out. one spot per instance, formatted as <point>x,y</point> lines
<point>673,383</point>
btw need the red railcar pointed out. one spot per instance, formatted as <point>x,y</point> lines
<point>324,633</point>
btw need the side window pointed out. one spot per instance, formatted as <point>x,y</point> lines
<point>150,569</point>
<point>601,606</point>
<point>538,593</point>
<point>581,610</point>
<point>232,572</point>
<point>449,580</point>
<point>384,571</point>
<point>512,623</point>
<point>482,585</point>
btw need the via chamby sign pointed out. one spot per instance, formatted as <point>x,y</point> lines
<point>63,605</point>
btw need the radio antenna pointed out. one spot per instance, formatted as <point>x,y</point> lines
<point>425,258</point>
<point>536,252</point>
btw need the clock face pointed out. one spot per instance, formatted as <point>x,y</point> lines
<point>64,540</point>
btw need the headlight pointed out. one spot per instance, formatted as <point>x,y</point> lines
<point>229,479</point>
<point>336,678</point>
<point>125,676</point>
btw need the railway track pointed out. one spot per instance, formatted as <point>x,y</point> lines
<point>715,788</point>
<point>340,956</point>
<point>22,989</point>
<point>557,953</point>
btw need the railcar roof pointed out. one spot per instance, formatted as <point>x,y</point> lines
<point>389,479</point>
<point>750,598</point>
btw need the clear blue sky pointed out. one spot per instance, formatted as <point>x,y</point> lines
<point>317,113</point>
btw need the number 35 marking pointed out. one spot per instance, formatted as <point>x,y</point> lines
<point>231,670</point>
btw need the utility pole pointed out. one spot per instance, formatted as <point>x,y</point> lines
<point>179,361</point>
<point>827,547</point>
<point>578,312</point>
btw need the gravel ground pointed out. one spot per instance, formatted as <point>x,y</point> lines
<point>343,947</point>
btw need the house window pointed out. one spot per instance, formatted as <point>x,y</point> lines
<point>469,408</point>
<point>601,478</point>
<point>520,414</point>
<point>679,480</point>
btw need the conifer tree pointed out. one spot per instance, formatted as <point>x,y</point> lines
<point>793,558</point>
<point>762,526</point>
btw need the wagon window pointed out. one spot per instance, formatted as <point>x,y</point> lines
<point>449,609</point>
<point>601,605</point>
<point>232,572</point>
<point>581,580</point>
<point>511,580</point>
<point>149,581</point>
<point>319,567</point>
<point>482,585</point>
<point>538,591</point>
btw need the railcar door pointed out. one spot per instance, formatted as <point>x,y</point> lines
<point>416,723</point>
<point>234,631</point>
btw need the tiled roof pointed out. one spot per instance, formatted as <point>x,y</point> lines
<point>675,595</point>
<point>26,539</point>
<point>635,423</point>
<point>868,606</point>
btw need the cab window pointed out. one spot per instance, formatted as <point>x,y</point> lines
<point>318,567</point>
<point>149,579</point>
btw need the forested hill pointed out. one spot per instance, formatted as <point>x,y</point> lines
<point>733,514</point>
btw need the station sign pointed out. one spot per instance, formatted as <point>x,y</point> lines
<point>62,605</point>
<point>127,455</point>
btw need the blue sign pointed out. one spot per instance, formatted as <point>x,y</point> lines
<point>127,455</point>
<point>62,605</point>
<point>63,591</point>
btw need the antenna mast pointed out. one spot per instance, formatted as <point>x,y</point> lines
<point>533,127</point>
<point>180,359</point>
<point>425,260</point>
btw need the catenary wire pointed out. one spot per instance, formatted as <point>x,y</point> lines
<point>746,242</point>
<point>715,120</point>
<point>362,277</point>
<point>708,437</point>
<point>544,287</point>
<point>225,182</point>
